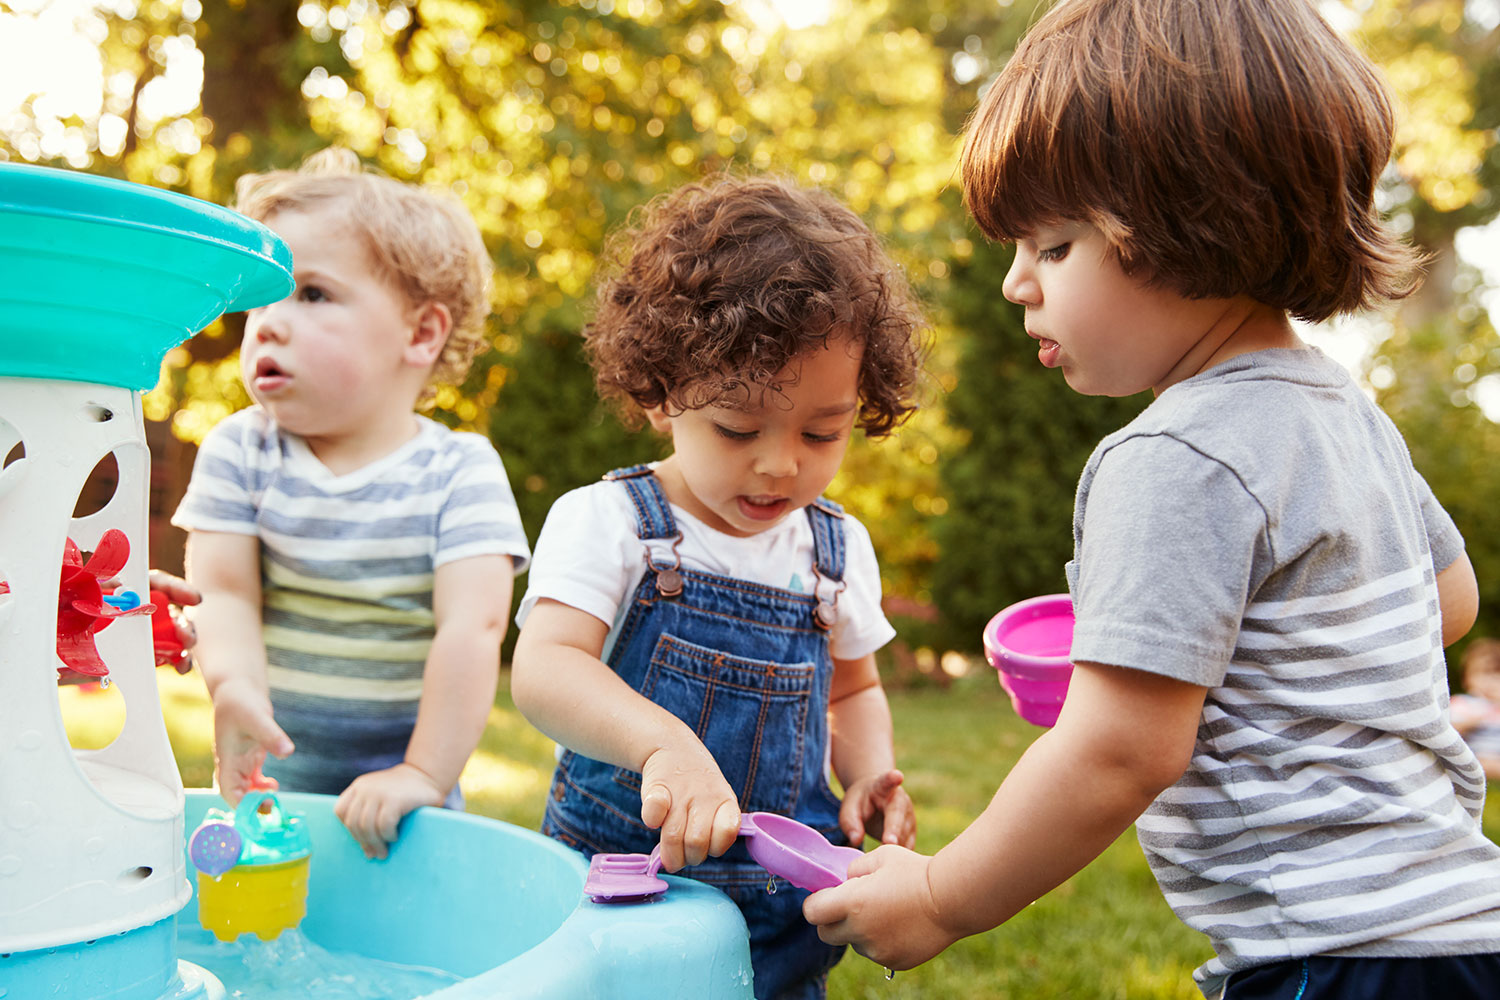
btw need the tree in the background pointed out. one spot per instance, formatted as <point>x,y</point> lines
<point>1017,436</point>
<point>1442,60</point>
<point>555,120</point>
<point>550,121</point>
<point>1009,484</point>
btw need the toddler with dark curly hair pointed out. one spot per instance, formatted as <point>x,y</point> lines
<point>699,634</point>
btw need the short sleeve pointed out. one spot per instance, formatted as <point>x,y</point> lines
<point>862,626</point>
<point>1442,534</point>
<point>479,516</point>
<point>1165,561</point>
<point>587,555</point>
<point>220,494</point>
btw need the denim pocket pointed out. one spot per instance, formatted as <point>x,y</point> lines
<point>751,714</point>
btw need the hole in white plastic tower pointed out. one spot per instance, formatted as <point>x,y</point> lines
<point>13,465</point>
<point>99,488</point>
<point>93,713</point>
<point>132,876</point>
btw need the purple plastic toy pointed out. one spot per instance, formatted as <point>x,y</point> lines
<point>1028,643</point>
<point>795,851</point>
<point>624,878</point>
<point>782,846</point>
<point>215,848</point>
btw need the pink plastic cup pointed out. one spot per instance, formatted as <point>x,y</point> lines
<point>1028,643</point>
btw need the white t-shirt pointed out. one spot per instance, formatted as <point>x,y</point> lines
<point>589,557</point>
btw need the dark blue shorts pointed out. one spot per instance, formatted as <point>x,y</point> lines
<point>1324,977</point>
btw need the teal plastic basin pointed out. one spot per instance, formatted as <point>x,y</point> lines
<point>99,278</point>
<point>504,907</point>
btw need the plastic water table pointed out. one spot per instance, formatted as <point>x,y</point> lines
<point>98,279</point>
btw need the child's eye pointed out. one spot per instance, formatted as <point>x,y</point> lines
<point>1054,253</point>
<point>821,438</point>
<point>733,435</point>
<point>312,293</point>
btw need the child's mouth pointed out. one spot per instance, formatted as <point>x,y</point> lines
<point>1049,352</point>
<point>269,376</point>
<point>763,508</point>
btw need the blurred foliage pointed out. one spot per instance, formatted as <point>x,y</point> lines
<point>1440,352</point>
<point>1025,438</point>
<point>552,120</point>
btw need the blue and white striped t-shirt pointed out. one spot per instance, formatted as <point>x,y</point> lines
<point>347,564</point>
<point>1260,530</point>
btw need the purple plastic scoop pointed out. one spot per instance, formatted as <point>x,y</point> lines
<point>795,851</point>
<point>624,878</point>
<point>782,846</point>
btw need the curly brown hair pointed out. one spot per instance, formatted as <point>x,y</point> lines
<point>711,290</point>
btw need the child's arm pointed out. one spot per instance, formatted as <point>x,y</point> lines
<point>864,757</point>
<point>560,684</point>
<point>1122,738</point>
<point>470,603</point>
<point>1458,598</point>
<point>225,567</point>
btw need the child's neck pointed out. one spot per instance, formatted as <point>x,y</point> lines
<point>1244,327</point>
<point>342,454</point>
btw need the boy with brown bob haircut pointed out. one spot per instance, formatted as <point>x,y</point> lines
<point>1263,584</point>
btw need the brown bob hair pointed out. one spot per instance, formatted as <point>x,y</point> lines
<point>424,244</point>
<point>1222,148</point>
<point>712,289</point>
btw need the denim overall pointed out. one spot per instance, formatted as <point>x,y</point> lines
<point>747,667</point>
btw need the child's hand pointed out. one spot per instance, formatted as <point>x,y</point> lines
<point>373,804</point>
<point>684,793</point>
<point>879,807</point>
<point>244,732</point>
<point>885,910</point>
<point>179,594</point>
<point>178,591</point>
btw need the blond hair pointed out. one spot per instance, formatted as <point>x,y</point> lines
<point>1222,148</point>
<point>426,245</point>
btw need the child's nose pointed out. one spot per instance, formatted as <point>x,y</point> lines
<point>776,460</point>
<point>266,323</point>
<point>1019,285</point>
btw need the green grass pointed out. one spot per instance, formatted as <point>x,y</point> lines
<point>1104,934</point>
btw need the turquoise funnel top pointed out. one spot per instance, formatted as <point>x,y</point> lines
<point>99,278</point>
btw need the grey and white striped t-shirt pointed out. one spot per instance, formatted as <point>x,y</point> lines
<point>347,565</point>
<point>1260,530</point>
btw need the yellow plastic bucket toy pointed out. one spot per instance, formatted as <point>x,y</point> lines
<point>263,900</point>
<point>252,869</point>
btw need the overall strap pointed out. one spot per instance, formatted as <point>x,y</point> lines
<point>653,515</point>
<point>654,525</point>
<point>826,519</point>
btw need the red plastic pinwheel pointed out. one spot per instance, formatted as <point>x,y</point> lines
<point>81,608</point>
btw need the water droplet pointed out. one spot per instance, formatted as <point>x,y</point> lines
<point>771,885</point>
<point>104,684</point>
<point>889,974</point>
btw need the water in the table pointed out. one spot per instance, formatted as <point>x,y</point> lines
<point>294,968</point>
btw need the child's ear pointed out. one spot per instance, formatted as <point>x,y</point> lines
<point>659,420</point>
<point>431,324</point>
